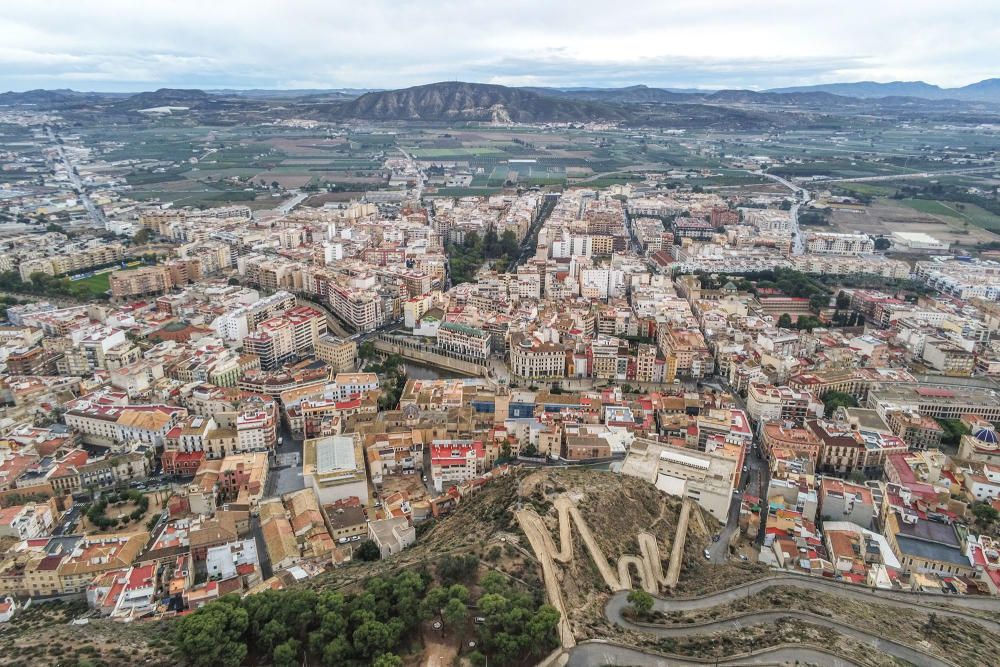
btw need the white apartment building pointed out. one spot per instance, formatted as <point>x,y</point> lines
<point>829,243</point>
<point>455,461</point>
<point>463,339</point>
<point>706,478</point>
<point>25,522</point>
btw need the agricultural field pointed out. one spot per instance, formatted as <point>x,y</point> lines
<point>885,216</point>
<point>966,213</point>
<point>211,166</point>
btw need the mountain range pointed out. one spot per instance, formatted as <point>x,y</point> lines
<point>452,101</point>
<point>987,90</point>
<point>457,100</point>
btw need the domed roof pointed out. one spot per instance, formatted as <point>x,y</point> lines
<point>986,434</point>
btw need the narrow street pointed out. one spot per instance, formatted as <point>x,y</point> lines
<point>286,469</point>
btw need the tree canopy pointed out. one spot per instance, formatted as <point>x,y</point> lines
<point>370,626</point>
<point>835,399</point>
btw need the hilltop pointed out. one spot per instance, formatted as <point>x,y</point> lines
<point>483,526</point>
<point>164,97</point>
<point>456,100</point>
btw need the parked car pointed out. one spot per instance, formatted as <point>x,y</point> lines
<point>343,540</point>
<point>708,554</point>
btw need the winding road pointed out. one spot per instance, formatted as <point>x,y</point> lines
<point>929,603</point>
<point>590,653</point>
<point>968,609</point>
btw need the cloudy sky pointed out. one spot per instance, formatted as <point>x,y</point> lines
<point>127,45</point>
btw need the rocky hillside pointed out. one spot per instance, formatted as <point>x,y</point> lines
<point>454,100</point>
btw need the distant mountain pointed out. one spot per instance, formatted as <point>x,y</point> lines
<point>52,98</point>
<point>455,100</point>
<point>290,93</point>
<point>987,90</point>
<point>164,97</point>
<point>776,99</point>
<point>629,95</point>
<point>647,96</point>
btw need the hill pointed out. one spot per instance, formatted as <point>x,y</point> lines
<point>483,527</point>
<point>50,99</point>
<point>987,90</point>
<point>164,97</point>
<point>456,100</point>
<point>630,95</point>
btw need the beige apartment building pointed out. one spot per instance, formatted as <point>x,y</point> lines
<point>341,354</point>
<point>530,358</point>
<point>73,260</point>
<point>140,282</point>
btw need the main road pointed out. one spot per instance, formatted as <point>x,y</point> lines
<point>286,206</point>
<point>599,652</point>
<point>95,212</point>
<point>419,193</point>
<point>801,197</point>
<point>957,607</point>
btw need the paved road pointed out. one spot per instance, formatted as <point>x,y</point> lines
<point>754,481</point>
<point>332,323</point>
<point>419,191</point>
<point>262,556</point>
<point>287,206</point>
<point>95,212</point>
<point>602,653</point>
<point>910,654</point>
<point>798,245</point>
<point>592,653</point>
<point>900,177</point>
<point>286,465</point>
<point>530,241</point>
<point>943,605</point>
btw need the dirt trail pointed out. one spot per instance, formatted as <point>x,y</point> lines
<point>539,538</point>
<point>677,549</point>
<point>436,652</point>
<point>648,564</point>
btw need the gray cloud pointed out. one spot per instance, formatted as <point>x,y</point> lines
<point>127,45</point>
<point>668,71</point>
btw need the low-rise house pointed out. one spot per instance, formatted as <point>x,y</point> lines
<point>279,537</point>
<point>346,522</point>
<point>391,536</point>
<point>924,545</point>
<point>229,560</point>
<point>840,500</point>
<point>96,554</point>
<point>455,461</point>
